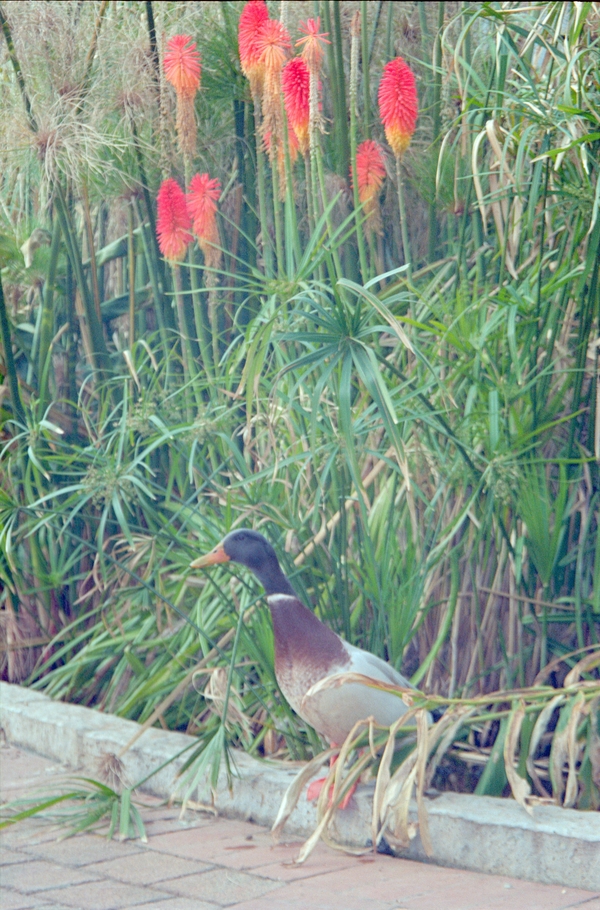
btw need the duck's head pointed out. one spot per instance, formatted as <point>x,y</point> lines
<point>250,549</point>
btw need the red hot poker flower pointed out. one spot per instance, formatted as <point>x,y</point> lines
<point>182,65</point>
<point>273,44</point>
<point>370,170</point>
<point>398,104</point>
<point>295,81</point>
<point>173,221</point>
<point>253,16</point>
<point>202,206</point>
<point>314,43</point>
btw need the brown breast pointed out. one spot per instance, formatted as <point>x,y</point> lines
<point>305,649</point>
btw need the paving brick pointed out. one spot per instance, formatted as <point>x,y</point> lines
<point>239,845</point>
<point>179,903</point>
<point>23,774</point>
<point>391,883</point>
<point>322,861</point>
<point>163,825</point>
<point>149,867</point>
<point>12,900</point>
<point>222,886</point>
<point>83,849</point>
<point>104,895</point>
<point>29,831</point>
<point>39,875</point>
<point>9,857</point>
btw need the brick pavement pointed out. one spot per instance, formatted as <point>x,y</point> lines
<point>207,863</point>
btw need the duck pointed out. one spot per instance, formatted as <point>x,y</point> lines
<point>308,652</point>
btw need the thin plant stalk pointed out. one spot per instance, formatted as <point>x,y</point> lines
<point>366,82</point>
<point>437,120</point>
<point>293,242</point>
<point>47,317</point>
<point>189,370</point>
<point>262,192</point>
<point>403,223</point>
<point>201,331</point>
<point>355,32</point>
<point>277,208</point>
<point>91,247</point>
<point>149,249</point>
<point>11,370</point>
<point>131,264</point>
<point>340,113</point>
<point>99,353</point>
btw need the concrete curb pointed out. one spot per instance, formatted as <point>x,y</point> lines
<point>555,846</point>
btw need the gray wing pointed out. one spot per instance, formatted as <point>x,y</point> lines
<point>370,665</point>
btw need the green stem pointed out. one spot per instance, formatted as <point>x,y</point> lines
<point>189,371</point>
<point>436,114</point>
<point>292,243</point>
<point>131,264</point>
<point>11,370</point>
<point>447,621</point>
<point>262,193</point>
<point>389,34</point>
<point>47,320</point>
<point>151,264</point>
<point>201,331</point>
<point>353,144</point>
<point>365,75</point>
<point>277,209</point>
<point>99,352</point>
<point>403,224</point>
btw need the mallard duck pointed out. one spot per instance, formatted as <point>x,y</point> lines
<point>308,652</point>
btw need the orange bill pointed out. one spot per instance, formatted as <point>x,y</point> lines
<point>215,556</point>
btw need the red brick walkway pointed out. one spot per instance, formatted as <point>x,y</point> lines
<point>209,863</point>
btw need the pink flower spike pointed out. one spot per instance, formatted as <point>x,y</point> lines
<point>252,18</point>
<point>398,104</point>
<point>202,205</point>
<point>295,81</point>
<point>173,221</point>
<point>370,169</point>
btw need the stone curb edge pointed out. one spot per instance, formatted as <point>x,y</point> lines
<point>555,846</point>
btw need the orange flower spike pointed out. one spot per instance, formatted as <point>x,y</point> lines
<point>182,65</point>
<point>370,170</point>
<point>272,43</point>
<point>173,221</point>
<point>295,81</point>
<point>252,18</point>
<point>202,206</point>
<point>314,43</point>
<point>398,104</point>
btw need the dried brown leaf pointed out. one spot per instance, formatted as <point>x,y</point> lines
<point>538,731</point>
<point>519,786</point>
<point>421,766</point>
<point>574,749</point>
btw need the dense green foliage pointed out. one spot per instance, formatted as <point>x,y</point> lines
<point>422,451</point>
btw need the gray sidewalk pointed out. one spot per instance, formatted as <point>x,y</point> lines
<point>206,863</point>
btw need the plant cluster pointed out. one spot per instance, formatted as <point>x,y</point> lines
<point>381,351</point>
